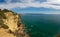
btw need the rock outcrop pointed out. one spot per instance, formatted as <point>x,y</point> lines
<point>10,24</point>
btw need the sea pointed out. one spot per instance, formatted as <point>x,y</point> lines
<point>42,25</point>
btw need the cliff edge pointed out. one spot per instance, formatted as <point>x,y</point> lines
<point>11,25</point>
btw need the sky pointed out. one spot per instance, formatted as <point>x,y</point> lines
<point>32,6</point>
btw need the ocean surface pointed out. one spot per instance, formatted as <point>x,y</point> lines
<point>42,25</point>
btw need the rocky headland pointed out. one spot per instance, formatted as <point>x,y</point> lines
<point>11,25</point>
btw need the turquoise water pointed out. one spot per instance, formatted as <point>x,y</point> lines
<point>42,25</point>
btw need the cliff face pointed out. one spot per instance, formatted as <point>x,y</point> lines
<point>11,21</point>
<point>10,24</point>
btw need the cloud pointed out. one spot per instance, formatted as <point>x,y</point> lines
<point>54,1</point>
<point>30,3</point>
<point>8,1</point>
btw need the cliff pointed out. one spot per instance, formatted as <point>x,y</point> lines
<point>11,25</point>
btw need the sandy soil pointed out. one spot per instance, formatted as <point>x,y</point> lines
<point>4,33</point>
